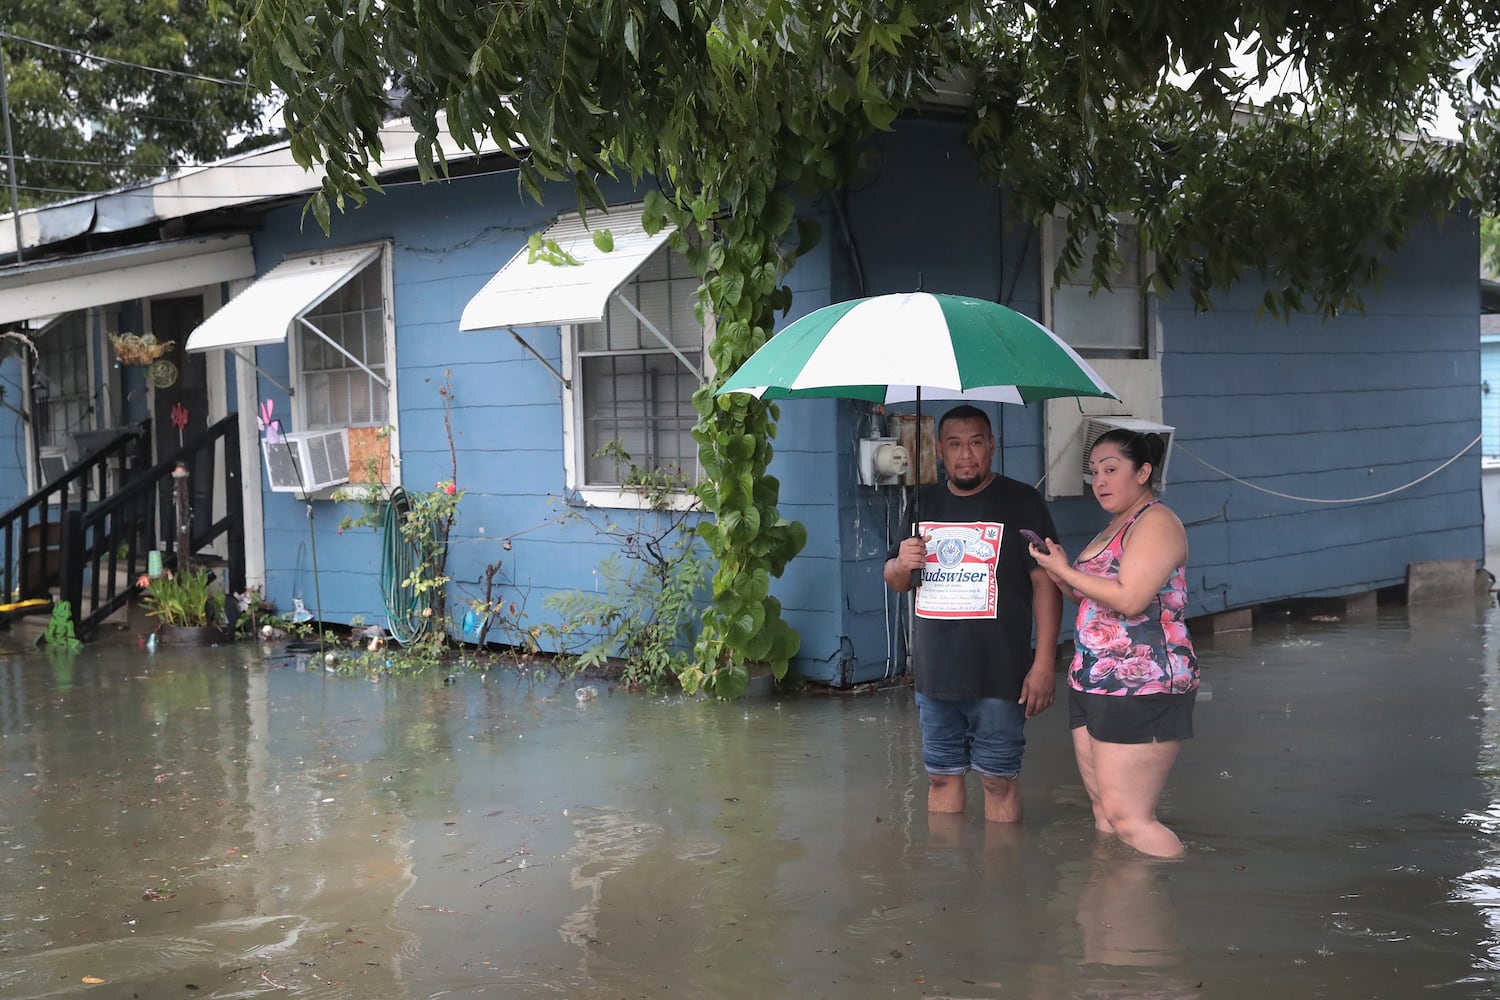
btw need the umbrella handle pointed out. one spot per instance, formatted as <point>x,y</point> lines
<point>916,574</point>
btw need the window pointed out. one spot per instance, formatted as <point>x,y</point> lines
<point>1111,323</point>
<point>345,375</point>
<point>62,395</point>
<point>1114,329</point>
<point>634,375</point>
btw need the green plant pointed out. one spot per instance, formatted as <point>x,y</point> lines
<point>425,525</point>
<point>184,599</point>
<point>254,612</point>
<point>647,609</point>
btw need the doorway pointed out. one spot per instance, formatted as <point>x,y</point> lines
<point>173,319</point>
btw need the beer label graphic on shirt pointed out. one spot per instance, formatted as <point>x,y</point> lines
<point>958,580</point>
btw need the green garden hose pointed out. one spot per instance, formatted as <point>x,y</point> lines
<point>400,557</point>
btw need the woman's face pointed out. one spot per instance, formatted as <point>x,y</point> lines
<point>1119,484</point>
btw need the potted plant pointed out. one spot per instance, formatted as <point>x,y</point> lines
<point>186,604</point>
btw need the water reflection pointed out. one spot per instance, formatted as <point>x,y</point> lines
<point>150,806</point>
<point>240,825</point>
<point>1129,941</point>
<point>1480,887</point>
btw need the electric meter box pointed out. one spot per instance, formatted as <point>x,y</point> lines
<point>882,462</point>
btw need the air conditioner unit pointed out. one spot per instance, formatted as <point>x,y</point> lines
<point>307,461</point>
<point>54,465</point>
<point>1096,427</point>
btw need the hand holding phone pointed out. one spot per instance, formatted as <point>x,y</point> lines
<point>1037,540</point>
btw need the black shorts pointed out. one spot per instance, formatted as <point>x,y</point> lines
<point>1133,718</point>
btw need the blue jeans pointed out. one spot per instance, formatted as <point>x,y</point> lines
<point>980,734</point>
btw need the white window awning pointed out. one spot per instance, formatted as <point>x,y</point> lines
<point>264,312</point>
<point>49,288</point>
<point>541,293</point>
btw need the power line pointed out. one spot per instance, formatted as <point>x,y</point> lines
<point>24,160</point>
<point>120,62</point>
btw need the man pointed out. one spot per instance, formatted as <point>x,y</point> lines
<point>977,677</point>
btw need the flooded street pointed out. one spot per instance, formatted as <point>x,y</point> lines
<point>240,824</point>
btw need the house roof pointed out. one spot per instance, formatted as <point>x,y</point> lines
<point>79,281</point>
<point>260,176</point>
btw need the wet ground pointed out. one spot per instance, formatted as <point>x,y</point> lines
<point>235,824</point>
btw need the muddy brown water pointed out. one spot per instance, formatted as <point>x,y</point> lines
<point>233,823</point>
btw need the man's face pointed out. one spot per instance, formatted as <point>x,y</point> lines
<point>967,449</point>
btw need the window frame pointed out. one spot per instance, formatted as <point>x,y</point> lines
<point>575,461</point>
<point>101,388</point>
<point>297,374</point>
<point>1147,302</point>
<point>89,394</point>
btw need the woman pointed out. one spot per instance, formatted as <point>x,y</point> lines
<point>1134,676</point>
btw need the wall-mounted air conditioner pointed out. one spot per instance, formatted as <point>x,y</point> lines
<point>54,465</point>
<point>1095,427</point>
<point>307,461</point>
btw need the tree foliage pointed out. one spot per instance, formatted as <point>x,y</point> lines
<point>1146,109</point>
<point>1154,112</point>
<point>83,124</point>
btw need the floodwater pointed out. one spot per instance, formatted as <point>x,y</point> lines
<point>238,824</point>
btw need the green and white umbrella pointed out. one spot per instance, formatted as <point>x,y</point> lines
<point>912,346</point>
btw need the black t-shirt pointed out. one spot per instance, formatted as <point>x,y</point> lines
<point>974,617</point>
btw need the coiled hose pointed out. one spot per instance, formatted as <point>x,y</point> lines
<point>400,558</point>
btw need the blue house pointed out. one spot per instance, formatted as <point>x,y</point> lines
<point>418,344</point>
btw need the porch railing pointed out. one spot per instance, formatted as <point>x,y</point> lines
<point>100,541</point>
<point>31,533</point>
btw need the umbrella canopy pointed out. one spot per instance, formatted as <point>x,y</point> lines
<point>912,346</point>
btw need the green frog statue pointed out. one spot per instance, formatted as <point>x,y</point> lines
<point>59,633</point>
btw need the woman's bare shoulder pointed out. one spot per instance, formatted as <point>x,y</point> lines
<point>1159,522</point>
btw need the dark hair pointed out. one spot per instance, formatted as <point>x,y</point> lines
<point>963,411</point>
<point>1139,448</point>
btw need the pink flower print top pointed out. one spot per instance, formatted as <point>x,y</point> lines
<point>1149,653</point>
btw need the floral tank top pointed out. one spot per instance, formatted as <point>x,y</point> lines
<point>1149,653</point>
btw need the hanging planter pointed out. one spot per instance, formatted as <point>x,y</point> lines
<point>133,349</point>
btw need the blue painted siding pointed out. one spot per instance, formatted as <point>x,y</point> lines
<point>12,430</point>
<point>507,425</point>
<point>1489,376</point>
<point>447,240</point>
<point>1348,408</point>
<point>1339,410</point>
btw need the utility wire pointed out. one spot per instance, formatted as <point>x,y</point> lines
<point>26,160</point>
<point>1289,496</point>
<point>120,62</point>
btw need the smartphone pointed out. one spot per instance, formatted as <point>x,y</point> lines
<point>1035,539</point>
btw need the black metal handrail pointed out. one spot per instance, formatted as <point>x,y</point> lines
<point>31,531</point>
<point>97,541</point>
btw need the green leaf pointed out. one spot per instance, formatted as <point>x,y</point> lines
<point>289,57</point>
<point>632,38</point>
